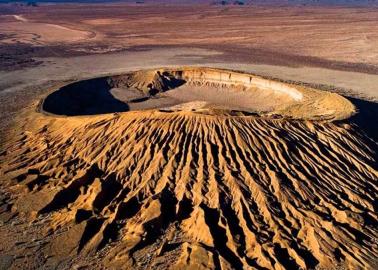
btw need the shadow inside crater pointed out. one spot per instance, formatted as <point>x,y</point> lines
<point>366,117</point>
<point>87,97</point>
<point>94,96</point>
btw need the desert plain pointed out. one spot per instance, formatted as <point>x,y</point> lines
<point>188,136</point>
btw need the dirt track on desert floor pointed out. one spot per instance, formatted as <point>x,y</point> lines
<point>39,33</point>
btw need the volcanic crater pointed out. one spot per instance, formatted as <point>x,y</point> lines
<point>204,90</point>
<point>196,168</point>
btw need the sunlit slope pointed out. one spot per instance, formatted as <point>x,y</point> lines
<point>184,189</point>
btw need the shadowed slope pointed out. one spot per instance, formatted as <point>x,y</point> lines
<point>84,98</point>
<point>189,190</point>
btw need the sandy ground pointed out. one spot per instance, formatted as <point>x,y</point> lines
<point>299,31</point>
<point>285,35</point>
<point>158,189</point>
<point>207,228</point>
<point>24,31</point>
<point>186,190</point>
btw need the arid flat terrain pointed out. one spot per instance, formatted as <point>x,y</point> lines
<point>165,136</point>
<point>344,38</point>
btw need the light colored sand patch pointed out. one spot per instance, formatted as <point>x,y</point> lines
<point>104,21</point>
<point>20,18</point>
<point>189,106</point>
<point>42,33</point>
